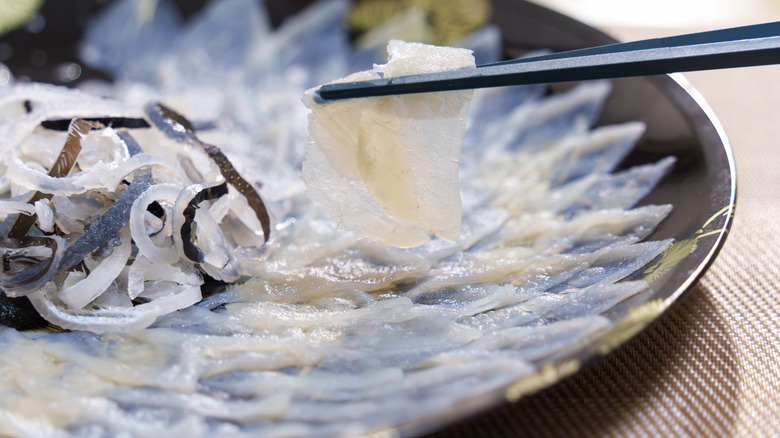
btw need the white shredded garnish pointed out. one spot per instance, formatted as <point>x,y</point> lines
<point>45,215</point>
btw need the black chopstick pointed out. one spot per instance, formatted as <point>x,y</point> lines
<point>726,48</point>
<point>713,36</point>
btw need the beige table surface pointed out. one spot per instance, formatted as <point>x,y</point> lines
<point>712,366</point>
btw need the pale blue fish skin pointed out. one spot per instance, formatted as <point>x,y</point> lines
<point>486,43</point>
<point>615,264</point>
<point>128,44</point>
<point>536,123</point>
<point>604,159</point>
<point>621,190</point>
<point>538,343</point>
<point>218,39</point>
<point>585,102</point>
<point>651,216</point>
<point>319,46</point>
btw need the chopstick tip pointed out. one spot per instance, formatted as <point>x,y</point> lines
<point>317,97</point>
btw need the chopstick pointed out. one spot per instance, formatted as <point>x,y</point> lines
<point>726,48</point>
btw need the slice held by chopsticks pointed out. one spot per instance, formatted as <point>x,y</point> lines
<point>387,168</point>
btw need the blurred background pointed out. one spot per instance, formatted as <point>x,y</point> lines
<point>34,34</point>
<point>668,13</point>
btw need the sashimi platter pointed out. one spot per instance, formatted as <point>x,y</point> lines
<point>200,247</point>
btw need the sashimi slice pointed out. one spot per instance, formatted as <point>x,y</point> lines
<point>387,168</point>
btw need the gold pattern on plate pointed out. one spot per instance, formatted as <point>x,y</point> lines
<point>637,319</point>
<point>681,249</point>
<point>547,375</point>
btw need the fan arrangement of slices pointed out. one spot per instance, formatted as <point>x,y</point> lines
<point>200,163</point>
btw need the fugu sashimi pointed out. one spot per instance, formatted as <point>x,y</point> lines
<point>387,168</point>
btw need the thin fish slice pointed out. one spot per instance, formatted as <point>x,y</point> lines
<point>393,175</point>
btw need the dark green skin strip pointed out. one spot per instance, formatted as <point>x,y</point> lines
<point>243,187</point>
<point>114,122</point>
<point>62,166</point>
<point>207,194</point>
<point>178,128</point>
<point>31,273</point>
<point>19,313</point>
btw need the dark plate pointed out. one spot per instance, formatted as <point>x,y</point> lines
<point>701,187</point>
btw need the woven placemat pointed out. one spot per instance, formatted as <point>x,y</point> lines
<point>711,367</point>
